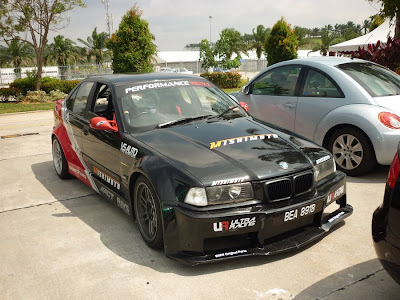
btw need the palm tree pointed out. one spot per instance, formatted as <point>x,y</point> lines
<point>62,51</point>
<point>366,24</point>
<point>18,53</point>
<point>259,36</point>
<point>96,45</point>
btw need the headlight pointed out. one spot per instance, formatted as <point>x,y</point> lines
<point>324,169</point>
<point>197,197</point>
<point>229,193</point>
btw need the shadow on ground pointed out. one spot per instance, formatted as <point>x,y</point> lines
<point>119,233</point>
<point>366,281</point>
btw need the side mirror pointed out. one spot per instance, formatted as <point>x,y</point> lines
<point>246,90</point>
<point>244,105</point>
<point>101,123</point>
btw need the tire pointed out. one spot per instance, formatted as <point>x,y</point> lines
<point>352,150</point>
<point>148,213</point>
<point>59,160</point>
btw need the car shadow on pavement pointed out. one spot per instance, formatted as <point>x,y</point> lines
<point>367,280</point>
<point>119,234</point>
<point>378,175</point>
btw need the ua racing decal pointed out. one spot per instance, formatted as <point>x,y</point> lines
<point>234,224</point>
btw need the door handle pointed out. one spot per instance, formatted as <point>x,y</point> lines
<point>290,105</point>
<point>85,131</point>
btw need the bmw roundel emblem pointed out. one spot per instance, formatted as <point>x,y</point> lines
<point>284,165</point>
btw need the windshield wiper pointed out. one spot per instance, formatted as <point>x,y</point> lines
<point>182,121</point>
<point>219,116</point>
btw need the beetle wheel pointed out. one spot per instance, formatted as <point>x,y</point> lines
<point>352,150</point>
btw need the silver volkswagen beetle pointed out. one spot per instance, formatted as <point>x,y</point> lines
<point>349,106</point>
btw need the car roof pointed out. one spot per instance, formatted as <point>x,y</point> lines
<point>121,79</point>
<point>322,60</point>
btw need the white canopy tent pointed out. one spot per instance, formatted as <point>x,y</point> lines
<point>378,34</point>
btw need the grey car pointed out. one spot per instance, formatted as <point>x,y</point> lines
<point>349,106</point>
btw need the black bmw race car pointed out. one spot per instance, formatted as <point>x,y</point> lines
<point>203,179</point>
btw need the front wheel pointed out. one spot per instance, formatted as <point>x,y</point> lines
<point>352,150</point>
<point>148,213</point>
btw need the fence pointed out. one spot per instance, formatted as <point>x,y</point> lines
<point>8,75</point>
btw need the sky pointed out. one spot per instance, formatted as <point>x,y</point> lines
<point>176,23</point>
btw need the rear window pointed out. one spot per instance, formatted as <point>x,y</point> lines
<point>376,80</point>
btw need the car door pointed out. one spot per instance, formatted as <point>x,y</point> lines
<point>76,110</point>
<point>318,95</point>
<point>101,147</point>
<point>272,96</point>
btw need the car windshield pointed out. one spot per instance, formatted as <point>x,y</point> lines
<point>376,80</point>
<point>150,105</point>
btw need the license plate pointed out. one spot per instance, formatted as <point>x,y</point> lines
<point>300,212</point>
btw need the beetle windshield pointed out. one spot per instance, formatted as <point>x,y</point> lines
<point>376,80</point>
<point>148,105</point>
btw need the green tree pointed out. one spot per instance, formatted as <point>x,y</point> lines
<point>19,53</point>
<point>63,52</point>
<point>207,58</point>
<point>34,19</point>
<point>96,45</point>
<point>259,37</point>
<point>301,34</point>
<point>376,21</point>
<point>132,45</point>
<point>281,44</point>
<point>230,42</point>
<point>391,9</point>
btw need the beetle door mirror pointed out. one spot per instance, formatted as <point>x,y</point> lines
<point>246,90</point>
<point>101,123</point>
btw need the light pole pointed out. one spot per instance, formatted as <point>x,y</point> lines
<point>210,29</point>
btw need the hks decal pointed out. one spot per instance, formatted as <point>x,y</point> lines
<point>129,150</point>
<point>242,139</point>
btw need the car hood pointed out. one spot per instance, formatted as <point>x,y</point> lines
<point>390,102</point>
<point>239,148</point>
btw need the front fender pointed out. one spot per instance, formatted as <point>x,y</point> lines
<point>170,182</point>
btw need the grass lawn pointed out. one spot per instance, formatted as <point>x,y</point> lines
<point>12,107</point>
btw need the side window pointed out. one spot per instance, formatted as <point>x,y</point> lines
<point>277,82</point>
<point>102,105</point>
<point>77,101</point>
<point>319,85</point>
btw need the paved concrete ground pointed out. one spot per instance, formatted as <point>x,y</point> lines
<point>61,240</point>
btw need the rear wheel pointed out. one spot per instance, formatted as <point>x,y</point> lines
<point>59,161</point>
<point>352,150</point>
<point>148,213</point>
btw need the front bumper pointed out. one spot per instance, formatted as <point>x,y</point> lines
<point>195,237</point>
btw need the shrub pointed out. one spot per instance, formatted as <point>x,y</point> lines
<point>226,80</point>
<point>281,44</point>
<point>386,55</point>
<point>35,97</point>
<point>9,94</point>
<point>24,84</point>
<point>49,84</point>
